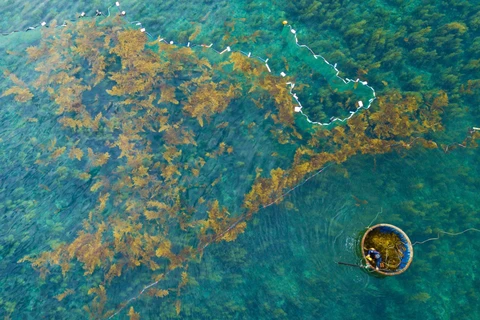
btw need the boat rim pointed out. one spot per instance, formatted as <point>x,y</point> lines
<point>397,229</point>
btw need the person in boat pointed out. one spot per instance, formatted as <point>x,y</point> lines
<point>374,257</point>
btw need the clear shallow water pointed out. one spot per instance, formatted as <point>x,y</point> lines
<point>283,265</point>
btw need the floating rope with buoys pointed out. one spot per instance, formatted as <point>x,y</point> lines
<point>294,48</point>
<point>315,61</point>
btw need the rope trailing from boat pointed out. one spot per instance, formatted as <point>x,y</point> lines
<point>447,233</point>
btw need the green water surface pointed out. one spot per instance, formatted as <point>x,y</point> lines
<point>284,265</point>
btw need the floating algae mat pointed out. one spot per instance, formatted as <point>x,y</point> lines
<point>194,160</point>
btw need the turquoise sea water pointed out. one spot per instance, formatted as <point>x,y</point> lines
<point>283,265</point>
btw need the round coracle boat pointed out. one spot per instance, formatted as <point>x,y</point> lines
<point>386,249</point>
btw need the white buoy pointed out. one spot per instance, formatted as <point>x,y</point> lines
<point>226,49</point>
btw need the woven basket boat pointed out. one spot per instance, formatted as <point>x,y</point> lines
<point>388,240</point>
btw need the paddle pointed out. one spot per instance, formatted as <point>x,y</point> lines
<point>350,264</point>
